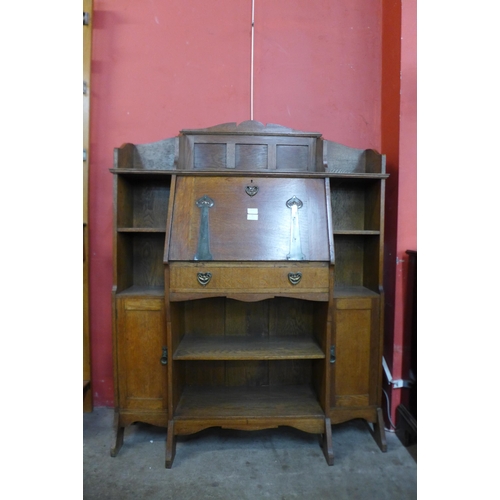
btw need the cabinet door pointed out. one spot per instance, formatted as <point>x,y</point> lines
<point>357,353</point>
<point>141,335</point>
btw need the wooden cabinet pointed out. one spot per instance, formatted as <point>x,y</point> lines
<point>357,210</point>
<point>139,325</point>
<point>142,380</point>
<point>248,272</point>
<point>141,336</point>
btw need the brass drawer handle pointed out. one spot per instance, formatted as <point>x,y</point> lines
<point>204,278</point>
<point>294,278</point>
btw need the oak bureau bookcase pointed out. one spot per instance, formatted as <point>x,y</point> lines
<point>247,283</point>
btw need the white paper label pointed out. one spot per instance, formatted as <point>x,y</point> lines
<point>252,214</point>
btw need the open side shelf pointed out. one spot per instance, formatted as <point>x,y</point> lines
<point>353,291</point>
<point>137,290</point>
<point>141,230</point>
<point>355,232</point>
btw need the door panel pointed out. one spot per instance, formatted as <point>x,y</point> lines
<point>142,378</point>
<point>356,325</point>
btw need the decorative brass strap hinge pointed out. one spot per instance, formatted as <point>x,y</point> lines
<point>203,253</point>
<point>295,248</point>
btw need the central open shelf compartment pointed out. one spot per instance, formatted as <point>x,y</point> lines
<point>228,329</point>
<point>248,365</point>
<point>250,408</point>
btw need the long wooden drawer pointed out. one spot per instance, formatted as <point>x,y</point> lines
<point>228,279</point>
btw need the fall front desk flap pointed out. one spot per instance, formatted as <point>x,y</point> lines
<point>249,219</point>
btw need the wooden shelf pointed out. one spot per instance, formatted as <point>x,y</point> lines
<point>253,173</point>
<point>355,232</point>
<point>139,172</point>
<point>222,403</point>
<point>154,291</point>
<point>141,230</point>
<point>353,291</point>
<point>197,347</point>
<point>359,176</point>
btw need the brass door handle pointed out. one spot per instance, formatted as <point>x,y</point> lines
<point>164,356</point>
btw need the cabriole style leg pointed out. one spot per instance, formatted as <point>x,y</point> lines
<point>327,442</point>
<point>118,430</point>
<point>379,431</point>
<point>170,448</point>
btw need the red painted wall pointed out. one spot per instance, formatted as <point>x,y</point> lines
<point>407,201</point>
<point>159,67</point>
<point>317,67</point>
<point>399,143</point>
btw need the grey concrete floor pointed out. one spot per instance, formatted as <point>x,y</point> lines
<point>281,463</point>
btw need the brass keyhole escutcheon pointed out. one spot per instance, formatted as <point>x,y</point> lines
<point>251,190</point>
<point>294,278</point>
<point>204,278</point>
